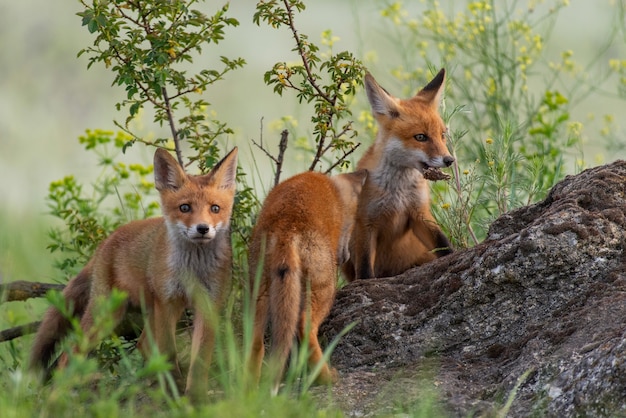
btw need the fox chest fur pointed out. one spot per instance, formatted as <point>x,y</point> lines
<point>394,197</point>
<point>191,267</point>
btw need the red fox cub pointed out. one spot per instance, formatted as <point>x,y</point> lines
<point>180,260</point>
<point>394,229</point>
<point>300,238</point>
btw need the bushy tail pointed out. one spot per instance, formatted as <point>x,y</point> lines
<point>285,300</point>
<point>54,325</point>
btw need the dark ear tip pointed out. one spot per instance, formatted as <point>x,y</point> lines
<point>437,81</point>
<point>232,152</point>
<point>364,174</point>
<point>161,155</point>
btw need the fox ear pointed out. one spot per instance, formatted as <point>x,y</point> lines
<point>380,100</point>
<point>224,173</point>
<point>168,174</point>
<point>361,175</point>
<point>433,91</point>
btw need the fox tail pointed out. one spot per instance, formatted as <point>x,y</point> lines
<point>54,326</point>
<point>285,301</point>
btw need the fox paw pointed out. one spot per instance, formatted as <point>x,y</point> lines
<point>328,376</point>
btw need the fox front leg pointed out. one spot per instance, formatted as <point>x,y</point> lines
<point>429,233</point>
<point>365,252</point>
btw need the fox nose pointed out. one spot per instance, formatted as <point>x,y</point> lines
<point>202,229</point>
<point>448,161</point>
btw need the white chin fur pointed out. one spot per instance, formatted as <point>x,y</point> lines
<point>403,157</point>
<point>179,230</point>
<point>410,158</point>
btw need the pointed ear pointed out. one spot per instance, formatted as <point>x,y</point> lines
<point>361,176</point>
<point>433,92</point>
<point>224,173</point>
<point>168,174</point>
<point>381,102</point>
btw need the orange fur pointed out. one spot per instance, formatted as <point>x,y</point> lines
<point>299,239</point>
<point>394,228</point>
<point>166,264</point>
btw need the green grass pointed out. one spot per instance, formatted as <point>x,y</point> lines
<point>128,387</point>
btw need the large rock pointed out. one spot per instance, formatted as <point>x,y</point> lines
<point>543,296</point>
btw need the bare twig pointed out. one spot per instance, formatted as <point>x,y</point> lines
<point>343,157</point>
<point>260,146</point>
<point>282,147</point>
<point>170,118</point>
<point>318,154</point>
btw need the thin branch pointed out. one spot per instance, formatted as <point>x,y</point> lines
<point>305,60</point>
<point>21,290</point>
<point>19,331</point>
<point>170,118</point>
<point>335,137</point>
<point>282,147</point>
<point>261,146</point>
<point>343,157</point>
<point>167,108</point>
<point>320,147</point>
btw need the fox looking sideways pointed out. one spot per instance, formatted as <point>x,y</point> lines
<point>394,228</point>
<point>300,238</point>
<point>166,264</point>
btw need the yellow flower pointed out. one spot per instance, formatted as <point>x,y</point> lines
<point>328,38</point>
<point>575,128</point>
<point>491,86</point>
<point>489,140</point>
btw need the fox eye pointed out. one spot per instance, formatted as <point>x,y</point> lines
<point>421,138</point>
<point>185,208</point>
<point>215,209</point>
